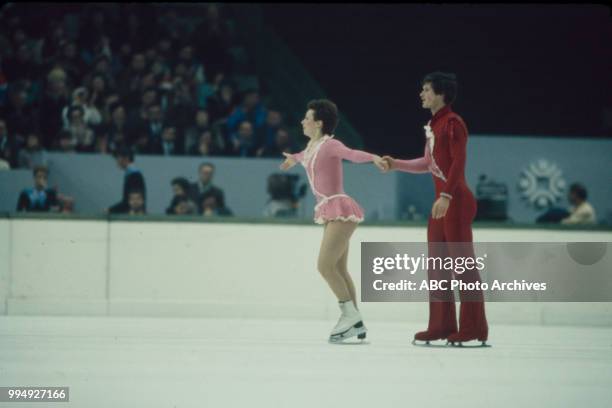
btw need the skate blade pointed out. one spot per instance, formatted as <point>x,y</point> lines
<point>427,343</point>
<point>357,335</point>
<point>460,344</point>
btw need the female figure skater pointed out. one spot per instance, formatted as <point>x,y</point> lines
<point>340,214</point>
<point>449,230</point>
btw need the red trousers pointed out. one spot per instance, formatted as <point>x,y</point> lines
<point>451,236</point>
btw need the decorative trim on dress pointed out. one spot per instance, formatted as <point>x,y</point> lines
<point>433,166</point>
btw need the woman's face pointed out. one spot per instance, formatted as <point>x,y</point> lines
<point>178,190</point>
<point>310,127</point>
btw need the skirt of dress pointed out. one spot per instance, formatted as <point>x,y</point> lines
<point>342,208</point>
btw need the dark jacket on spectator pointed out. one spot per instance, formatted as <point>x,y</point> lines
<point>34,200</point>
<point>133,180</point>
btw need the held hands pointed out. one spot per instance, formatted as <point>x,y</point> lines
<point>440,207</point>
<point>288,163</point>
<point>390,163</point>
<point>381,164</point>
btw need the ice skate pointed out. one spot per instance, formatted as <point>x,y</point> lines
<point>349,325</point>
<point>442,324</point>
<point>472,326</point>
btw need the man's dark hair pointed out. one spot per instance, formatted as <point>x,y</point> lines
<point>209,164</point>
<point>325,111</point>
<point>124,151</point>
<point>579,190</point>
<point>38,169</point>
<point>442,83</point>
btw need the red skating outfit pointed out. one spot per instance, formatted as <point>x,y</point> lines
<point>323,164</point>
<point>445,157</point>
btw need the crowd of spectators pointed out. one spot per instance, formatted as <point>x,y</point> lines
<point>165,83</point>
<point>125,80</point>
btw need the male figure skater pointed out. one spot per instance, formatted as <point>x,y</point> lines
<point>449,230</point>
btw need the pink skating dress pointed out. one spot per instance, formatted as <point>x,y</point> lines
<point>323,164</point>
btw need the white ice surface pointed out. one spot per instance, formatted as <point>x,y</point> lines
<point>148,362</point>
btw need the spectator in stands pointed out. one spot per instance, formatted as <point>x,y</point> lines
<point>39,198</point>
<point>184,206</point>
<point>222,103</point>
<point>282,144</point>
<point>154,125</point>
<point>80,98</point>
<point>51,106</point>
<point>18,115</point>
<point>266,136</point>
<point>581,211</point>
<point>169,145</point>
<point>66,143</point>
<point>117,130</point>
<point>8,146</point>
<point>213,204</point>
<point>206,146</point>
<point>33,155</point>
<point>204,185</point>
<point>182,191</point>
<point>250,110</point>
<point>82,135</point>
<point>133,179</point>
<point>136,202</point>
<point>192,134</point>
<point>244,144</point>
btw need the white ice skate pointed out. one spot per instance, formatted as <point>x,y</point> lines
<point>349,325</point>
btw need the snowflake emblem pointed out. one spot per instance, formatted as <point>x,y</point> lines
<point>541,184</point>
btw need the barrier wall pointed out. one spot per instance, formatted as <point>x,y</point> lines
<point>187,269</point>
<point>95,181</point>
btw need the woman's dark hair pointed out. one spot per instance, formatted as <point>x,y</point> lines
<point>325,111</point>
<point>442,83</point>
<point>183,183</point>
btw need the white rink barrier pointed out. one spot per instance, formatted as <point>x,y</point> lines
<point>185,269</point>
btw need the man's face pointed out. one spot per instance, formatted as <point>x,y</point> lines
<point>206,174</point>
<point>122,162</point>
<point>282,138</point>
<point>274,118</point>
<point>209,202</point>
<point>155,113</point>
<point>202,118</point>
<point>40,180</point>
<point>135,201</point>
<point>572,198</point>
<point>245,131</point>
<point>169,134</point>
<point>429,99</point>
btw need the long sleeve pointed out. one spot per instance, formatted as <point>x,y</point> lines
<point>420,165</point>
<point>338,149</point>
<point>298,157</point>
<point>23,202</point>
<point>458,143</point>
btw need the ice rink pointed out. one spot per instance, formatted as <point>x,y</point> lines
<point>171,362</point>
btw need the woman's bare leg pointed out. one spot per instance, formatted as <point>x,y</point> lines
<point>335,242</point>
<point>342,268</point>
